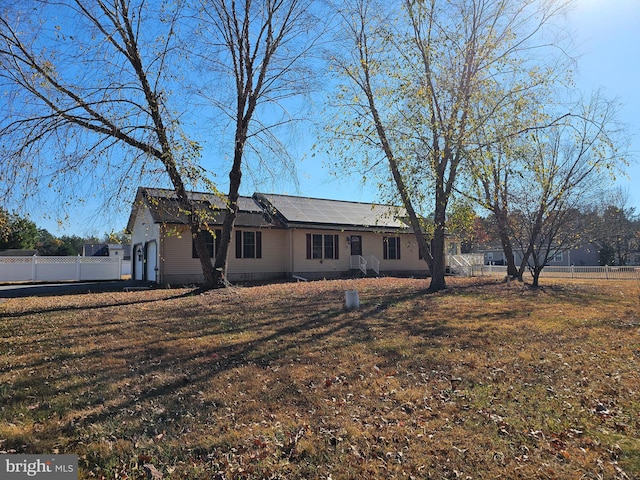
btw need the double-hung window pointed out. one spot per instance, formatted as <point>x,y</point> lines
<point>322,247</point>
<point>391,248</point>
<point>248,244</point>
<point>211,240</point>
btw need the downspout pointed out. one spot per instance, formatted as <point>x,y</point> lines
<point>291,255</point>
<point>160,259</point>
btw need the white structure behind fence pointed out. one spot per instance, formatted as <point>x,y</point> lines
<point>59,269</point>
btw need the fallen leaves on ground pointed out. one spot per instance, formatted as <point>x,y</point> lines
<point>482,380</point>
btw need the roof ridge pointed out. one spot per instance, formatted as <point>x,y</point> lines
<point>190,192</point>
<point>329,199</point>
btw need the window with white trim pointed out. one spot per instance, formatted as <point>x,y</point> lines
<point>391,248</point>
<point>322,246</point>
<point>248,244</point>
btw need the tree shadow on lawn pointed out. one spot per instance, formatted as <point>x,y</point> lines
<point>113,302</point>
<point>114,378</point>
<point>182,367</point>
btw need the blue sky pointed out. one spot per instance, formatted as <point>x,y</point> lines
<point>607,36</point>
<point>607,32</point>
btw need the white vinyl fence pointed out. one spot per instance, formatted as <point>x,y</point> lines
<point>59,269</point>
<point>602,273</point>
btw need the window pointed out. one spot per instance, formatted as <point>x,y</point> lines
<point>391,248</point>
<point>211,241</point>
<point>329,246</point>
<point>558,257</point>
<point>322,246</point>
<point>248,244</point>
<point>317,246</point>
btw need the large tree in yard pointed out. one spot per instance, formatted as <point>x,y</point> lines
<point>88,94</point>
<point>417,85</point>
<point>255,51</point>
<point>99,94</point>
<point>568,169</point>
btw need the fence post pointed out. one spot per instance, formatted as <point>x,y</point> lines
<point>33,268</point>
<point>78,268</point>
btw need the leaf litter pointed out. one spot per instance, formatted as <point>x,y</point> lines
<point>483,380</point>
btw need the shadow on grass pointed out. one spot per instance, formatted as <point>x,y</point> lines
<point>106,368</point>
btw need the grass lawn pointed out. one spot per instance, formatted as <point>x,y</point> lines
<point>482,381</point>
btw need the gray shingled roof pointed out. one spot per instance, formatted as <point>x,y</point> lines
<point>322,213</point>
<point>164,208</point>
<point>272,210</point>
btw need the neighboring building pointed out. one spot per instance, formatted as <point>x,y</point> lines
<point>584,255</point>
<point>275,236</point>
<point>106,250</point>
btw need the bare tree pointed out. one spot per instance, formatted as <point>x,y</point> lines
<point>257,48</point>
<point>100,92</point>
<point>89,86</point>
<point>422,75</point>
<point>567,170</point>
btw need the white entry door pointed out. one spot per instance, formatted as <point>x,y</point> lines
<point>138,268</point>
<point>152,261</point>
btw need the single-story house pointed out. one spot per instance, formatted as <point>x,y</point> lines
<point>275,236</point>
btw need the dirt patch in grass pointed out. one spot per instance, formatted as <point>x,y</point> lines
<point>483,380</point>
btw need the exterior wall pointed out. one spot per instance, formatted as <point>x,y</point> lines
<point>176,263</point>
<point>272,264</point>
<point>585,255</point>
<point>179,267</point>
<point>316,268</point>
<point>283,254</point>
<point>144,228</point>
<point>372,244</point>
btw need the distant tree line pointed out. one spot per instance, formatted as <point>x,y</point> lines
<point>613,228</point>
<point>21,233</point>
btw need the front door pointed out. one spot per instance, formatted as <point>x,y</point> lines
<point>356,244</point>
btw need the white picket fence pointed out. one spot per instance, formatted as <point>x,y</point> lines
<point>59,269</point>
<point>596,273</point>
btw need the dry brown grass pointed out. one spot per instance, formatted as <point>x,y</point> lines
<point>484,380</point>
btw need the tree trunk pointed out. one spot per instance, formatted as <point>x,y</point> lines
<point>438,266</point>
<point>235,177</point>
<point>535,272</point>
<point>414,221</point>
<point>438,269</point>
<point>203,254</point>
<point>507,247</point>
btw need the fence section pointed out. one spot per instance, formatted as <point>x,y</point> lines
<point>59,269</point>
<point>602,273</point>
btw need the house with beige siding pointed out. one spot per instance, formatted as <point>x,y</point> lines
<point>275,236</point>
